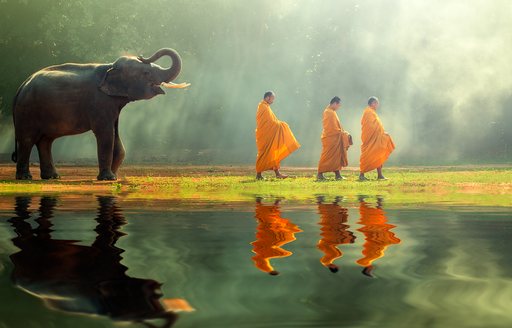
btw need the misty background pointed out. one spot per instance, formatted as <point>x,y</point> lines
<point>442,70</point>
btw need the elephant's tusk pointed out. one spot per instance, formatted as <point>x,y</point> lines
<point>171,85</point>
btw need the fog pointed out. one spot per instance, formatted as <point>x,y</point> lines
<point>440,68</point>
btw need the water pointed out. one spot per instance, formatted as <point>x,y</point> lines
<point>98,261</point>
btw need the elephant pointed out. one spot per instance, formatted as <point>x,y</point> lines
<point>71,99</point>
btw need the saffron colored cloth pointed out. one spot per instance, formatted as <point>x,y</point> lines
<point>335,143</point>
<point>335,231</point>
<point>273,231</point>
<point>377,233</point>
<point>274,139</point>
<point>376,144</point>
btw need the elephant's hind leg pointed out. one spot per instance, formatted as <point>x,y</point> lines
<point>22,166</point>
<point>44,147</point>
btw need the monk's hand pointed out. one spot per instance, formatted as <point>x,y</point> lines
<point>171,85</point>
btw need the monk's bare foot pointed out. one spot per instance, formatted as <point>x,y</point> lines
<point>382,178</point>
<point>340,177</point>
<point>259,176</point>
<point>333,268</point>
<point>368,271</point>
<point>362,178</point>
<point>320,177</point>
<point>279,175</point>
<point>273,273</point>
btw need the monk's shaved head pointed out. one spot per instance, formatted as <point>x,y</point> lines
<point>269,97</point>
<point>335,100</point>
<point>269,94</point>
<point>372,100</point>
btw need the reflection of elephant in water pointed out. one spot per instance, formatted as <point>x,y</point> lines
<point>71,99</point>
<point>82,279</point>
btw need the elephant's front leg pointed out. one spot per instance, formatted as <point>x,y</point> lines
<point>44,147</point>
<point>118,154</point>
<point>105,142</point>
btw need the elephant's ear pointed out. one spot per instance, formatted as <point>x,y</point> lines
<point>113,83</point>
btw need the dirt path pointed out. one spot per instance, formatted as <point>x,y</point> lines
<point>73,173</point>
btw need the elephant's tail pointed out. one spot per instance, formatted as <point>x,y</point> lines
<point>14,155</point>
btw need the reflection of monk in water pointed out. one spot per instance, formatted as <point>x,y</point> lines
<point>273,231</point>
<point>84,279</point>
<point>334,232</point>
<point>377,234</point>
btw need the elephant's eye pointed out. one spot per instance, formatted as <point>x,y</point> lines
<point>146,73</point>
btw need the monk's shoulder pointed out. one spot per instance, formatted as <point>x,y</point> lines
<point>369,113</point>
<point>263,109</point>
<point>329,113</point>
<point>262,105</point>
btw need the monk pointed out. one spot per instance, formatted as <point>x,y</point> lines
<point>335,142</point>
<point>333,219</point>
<point>376,145</point>
<point>273,231</point>
<point>274,139</point>
<point>377,233</point>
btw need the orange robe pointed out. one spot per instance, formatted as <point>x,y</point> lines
<point>273,231</point>
<point>334,231</point>
<point>335,143</point>
<point>376,144</point>
<point>274,139</point>
<point>377,234</point>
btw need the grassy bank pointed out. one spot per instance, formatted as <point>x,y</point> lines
<point>472,186</point>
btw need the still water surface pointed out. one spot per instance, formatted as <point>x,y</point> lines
<point>101,261</point>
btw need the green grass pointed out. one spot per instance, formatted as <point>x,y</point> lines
<point>492,187</point>
<point>489,187</point>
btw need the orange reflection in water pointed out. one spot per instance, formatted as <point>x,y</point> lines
<point>273,231</point>
<point>335,232</point>
<point>377,234</point>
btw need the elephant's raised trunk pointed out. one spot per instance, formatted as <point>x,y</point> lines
<point>172,72</point>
